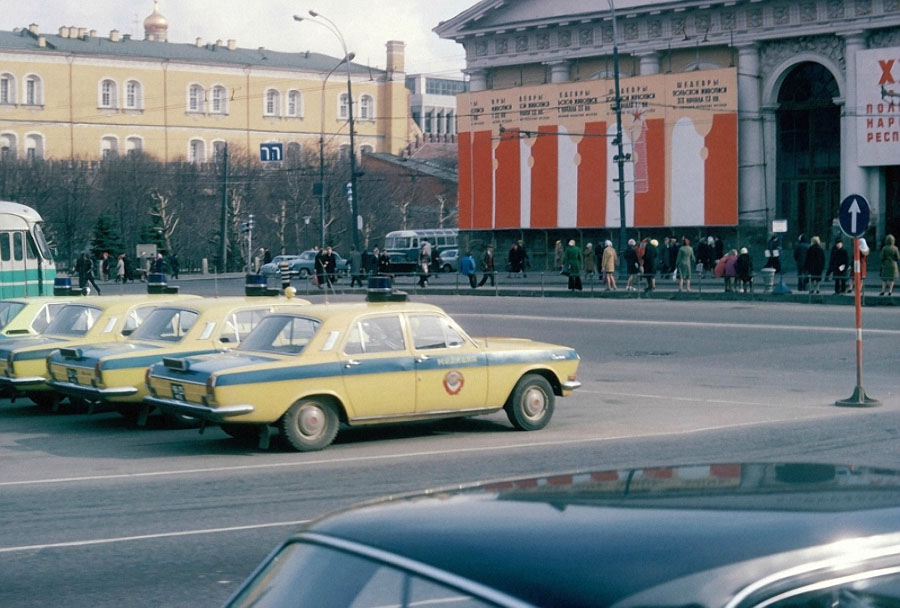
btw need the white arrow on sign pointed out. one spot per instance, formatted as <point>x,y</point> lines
<point>854,210</point>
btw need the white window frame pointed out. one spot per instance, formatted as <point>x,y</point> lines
<point>13,141</point>
<point>195,98</point>
<point>108,94</point>
<point>219,96</point>
<point>130,148</point>
<point>10,89</point>
<point>343,107</point>
<point>33,90</point>
<point>134,100</point>
<point>109,147</point>
<point>367,107</point>
<point>193,144</point>
<point>271,102</point>
<point>294,104</point>
<point>40,147</point>
<point>217,149</point>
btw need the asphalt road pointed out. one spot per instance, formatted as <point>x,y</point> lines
<point>96,513</point>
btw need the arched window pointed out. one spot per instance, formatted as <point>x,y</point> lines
<point>219,100</point>
<point>195,98</point>
<point>218,148</point>
<point>343,107</point>
<point>294,104</point>
<point>34,93</point>
<point>366,108</point>
<point>365,149</point>
<point>8,147</point>
<point>197,151</point>
<point>273,99</point>
<point>109,147</point>
<point>134,145</point>
<point>133,95</point>
<point>34,146</point>
<point>344,152</point>
<point>7,89</point>
<point>108,94</point>
<point>293,151</point>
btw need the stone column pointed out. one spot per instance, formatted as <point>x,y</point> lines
<point>560,71</point>
<point>853,177</point>
<point>752,198</point>
<point>477,80</point>
<point>649,63</point>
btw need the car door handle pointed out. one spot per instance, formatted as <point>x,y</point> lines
<point>351,362</point>
<point>422,358</point>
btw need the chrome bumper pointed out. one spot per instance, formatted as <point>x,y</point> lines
<point>213,414</point>
<point>571,385</point>
<point>92,392</point>
<point>24,381</point>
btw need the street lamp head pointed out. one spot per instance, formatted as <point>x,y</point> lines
<point>350,56</point>
<point>298,18</point>
<point>313,13</point>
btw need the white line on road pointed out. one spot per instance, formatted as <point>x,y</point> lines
<point>123,539</point>
<point>764,326</point>
<point>689,399</point>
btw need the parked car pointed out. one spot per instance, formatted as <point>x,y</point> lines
<point>449,260</point>
<point>29,316</point>
<point>278,265</point>
<point>114,372</point>
<point>305,264</point>
<point>361,364</point>
<point>779,535</point>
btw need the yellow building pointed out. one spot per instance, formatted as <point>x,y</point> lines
<point>76,94</point>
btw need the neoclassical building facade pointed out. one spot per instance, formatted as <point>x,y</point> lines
<point>811,84</point>
<point>78,94</point>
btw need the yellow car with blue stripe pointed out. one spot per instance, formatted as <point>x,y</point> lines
<point>114,372</point>
<point>306,373</point>
<point>86,320</point>
<point>20,317</point>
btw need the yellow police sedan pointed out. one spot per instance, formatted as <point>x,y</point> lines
<point>114,372</point>
<point>86,320</point>
<point>28,316</point>
<point>361,364</point>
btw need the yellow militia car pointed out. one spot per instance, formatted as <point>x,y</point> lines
<point>361,364</point>
<point>87,320</point>
<point>28,316</point>
<point>114,372</point>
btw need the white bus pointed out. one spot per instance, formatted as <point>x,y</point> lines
<point>402,246</point>
<point>26,263</point>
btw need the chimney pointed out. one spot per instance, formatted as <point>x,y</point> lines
<point>114,35</point>
<point>199,42</point>
<point>82,32</point>
<point>126,37</point>
<point>73,32</point>
<point>33,28</point>
<point>395,58</point>
<point>232,45</point>
<point>92,33</point>
<point>63,32</point>
<point>219,42</point>
<point>42,41</point>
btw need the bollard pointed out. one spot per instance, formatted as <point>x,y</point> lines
<point>768,279</point>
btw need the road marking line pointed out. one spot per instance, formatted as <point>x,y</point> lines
<point>677,398</point>
<point>122,539</point>
<point>381,457</point>
<point>766,326</point>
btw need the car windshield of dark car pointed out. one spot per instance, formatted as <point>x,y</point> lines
<point>8,311</point>
<point>303,575</point>
<point>74,320</point>
<point>281,334</point>
<point>167,324</point>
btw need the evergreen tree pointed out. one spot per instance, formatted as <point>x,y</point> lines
<point>106,238</point>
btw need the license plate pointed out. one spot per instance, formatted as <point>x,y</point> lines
<point>72,375</point>
<point>178,392</point>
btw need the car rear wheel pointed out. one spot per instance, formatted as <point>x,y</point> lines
<point>309,425</point>
<point>447,268</point>
<point>530,406</point>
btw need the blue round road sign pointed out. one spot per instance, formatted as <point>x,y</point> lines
<point>854,215</point>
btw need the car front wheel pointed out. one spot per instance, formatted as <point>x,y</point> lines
<point>530,406</point>
<point>447,268</point>
<point>303,273</point>
<point>309,425</point>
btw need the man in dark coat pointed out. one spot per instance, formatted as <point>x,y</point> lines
<point>800,250</point>
<point>814,265</point>
<point>839,266</point>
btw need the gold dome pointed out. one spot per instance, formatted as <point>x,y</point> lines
<point>155,26</point>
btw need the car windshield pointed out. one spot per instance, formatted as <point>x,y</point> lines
<point>168,324</point>
<point>284,334</point>
<point>74,320</point>
<point>8,311</point>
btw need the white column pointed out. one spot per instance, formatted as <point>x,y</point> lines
<point>649,63</point>
<point>751,166</point>
<point>477,80</point>
<point>560,71</point>
<point>853,177</point>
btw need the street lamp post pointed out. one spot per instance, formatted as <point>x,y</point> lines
<point>620,149</point>
<point>354,192</point>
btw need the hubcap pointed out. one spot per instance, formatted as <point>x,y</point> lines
<point>535,402</point>
<point>312,420</point>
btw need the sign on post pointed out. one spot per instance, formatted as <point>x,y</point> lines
<point>853,215</point>
<point>271,153</point>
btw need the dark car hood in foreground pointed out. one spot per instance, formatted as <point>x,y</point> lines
<point>664,536</point>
